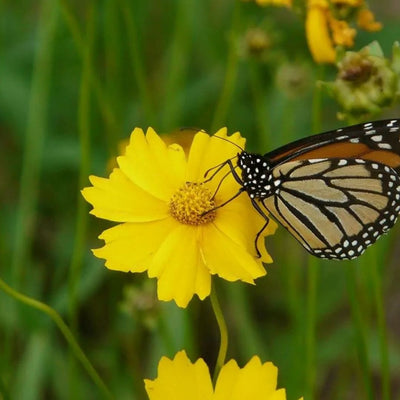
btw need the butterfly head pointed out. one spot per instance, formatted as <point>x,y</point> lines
<point>256,175</point>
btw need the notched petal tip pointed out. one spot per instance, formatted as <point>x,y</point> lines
<point>137,131</point>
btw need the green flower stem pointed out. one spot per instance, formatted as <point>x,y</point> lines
<point>137,60</point>
<point>4,395</point>
<point>114,38</point>
<point>113,127</point>
<point>316,116</point>
<point>164,330</point>
<point>82,212</point>
<point>360,329</point>
<point>177,64</point>
<point>221,109</point>
<point>261,111</point>
<point>312,285</point>
<point>250,341</point>
<point>222,330</point>
<point>35,131</point>
<point>32,154</point>
<point>84,138</point>
<point>66,332</point>
<point>376,282</point>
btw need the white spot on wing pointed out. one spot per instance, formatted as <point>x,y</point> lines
<point>316,160</point>
<point>384,146</point>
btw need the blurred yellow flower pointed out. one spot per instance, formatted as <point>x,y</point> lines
<point>342,33</point>
<point>366,21</point>
<point>327,26</point>
<point>318,35</point>
<point>284,3</point>
<point>279,3</point>
<point>157,196</point>
<point>180,379</point>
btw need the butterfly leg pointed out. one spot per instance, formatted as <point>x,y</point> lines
<point>219,184</point>
<point>265,216</point>
<point>234,174</point>
<point>237,178</point>
<point>217,169</point>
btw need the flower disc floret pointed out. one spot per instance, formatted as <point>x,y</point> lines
<point>192,204</point>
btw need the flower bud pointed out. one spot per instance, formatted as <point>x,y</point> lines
<point>293,79</point>
<point>366,81</point>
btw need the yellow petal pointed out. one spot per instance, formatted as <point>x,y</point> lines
<point>319,41</point>
<point>129,246</point>
<point>209,152</point>
<point>222,149</point>
<point>179,379</point>
<point>343,34</point>
<point>366,20</point>
<point>349,3</point>
<point>279,395</point>
<point>226,258</point>
<point>179,268</point>
<point>118,199</point>
<point>195,170</point>
<point>283,3</point>
<point>323,4</point>
<point>254,381</point>
<point>239,221</point>
<point>153,166</point>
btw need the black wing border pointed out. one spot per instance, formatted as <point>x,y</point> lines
<point>319,140</point>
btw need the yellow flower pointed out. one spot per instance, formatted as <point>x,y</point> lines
<point>318,35</point>
<point>348,3</point>
<point>279,3</point>
<point>179,379</point>
<point>366,21</point>
<point>158,197</point>
<point>342,34</point>
<point>328,25</point>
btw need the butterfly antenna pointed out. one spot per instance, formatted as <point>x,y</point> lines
<point>229,141</point>
<point>191,128</point>
<point>217,168</point>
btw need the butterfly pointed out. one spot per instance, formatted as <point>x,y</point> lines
<point>336,192</point>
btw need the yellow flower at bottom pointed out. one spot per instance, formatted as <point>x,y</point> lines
<point>157,196</point>
<point>179,379</point>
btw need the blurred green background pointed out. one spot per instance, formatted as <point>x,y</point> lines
<point>75,79</point>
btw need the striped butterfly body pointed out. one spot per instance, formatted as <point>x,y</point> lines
<point>336,192</point>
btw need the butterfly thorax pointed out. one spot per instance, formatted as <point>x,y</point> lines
<point>257,177</point>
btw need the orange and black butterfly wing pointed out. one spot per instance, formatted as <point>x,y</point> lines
<point>377,141</point>
<point>335,207</point>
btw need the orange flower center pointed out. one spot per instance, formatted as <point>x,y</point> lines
<point>192,204</point>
